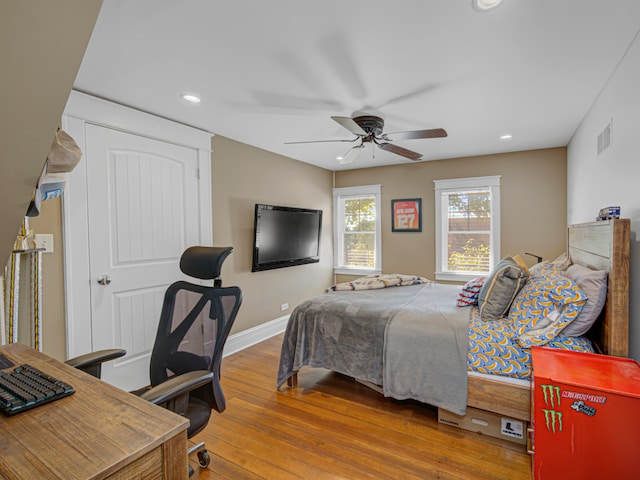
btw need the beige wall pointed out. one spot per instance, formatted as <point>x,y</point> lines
<point>533,198</point>
<point>53,314</point>
<point>41,47</point>
<point>241,177</point>
<point>533,184</point>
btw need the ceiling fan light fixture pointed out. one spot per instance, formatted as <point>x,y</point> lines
<point>368,129</point>
<point>485,5</point>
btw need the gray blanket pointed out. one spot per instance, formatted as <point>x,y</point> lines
<point>353,333</point>
<point>425,354</point>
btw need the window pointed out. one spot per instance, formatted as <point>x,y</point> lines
<point>467,227</point>
<point>357,239</point>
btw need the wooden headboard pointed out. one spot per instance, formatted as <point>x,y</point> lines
<point>605,245</point>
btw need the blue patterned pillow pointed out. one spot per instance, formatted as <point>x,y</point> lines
<point>543,268</point>
<point>544,306</point>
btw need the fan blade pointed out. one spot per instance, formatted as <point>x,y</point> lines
<point>342,59</point>
<point>407,96</point>
<point>321,141</point>
<point>351,155</point>
<point>433,133</point>
<point>290,102</point>
<point>390,147</point>
<point>350,125</point>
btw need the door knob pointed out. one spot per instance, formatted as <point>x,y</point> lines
<point>104,279</point>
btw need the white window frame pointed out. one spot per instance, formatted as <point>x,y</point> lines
<point>465,184</point>
<point>339,197</point>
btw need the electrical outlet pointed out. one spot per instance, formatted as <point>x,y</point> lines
<point>44,240</point>
<point>284,307</point>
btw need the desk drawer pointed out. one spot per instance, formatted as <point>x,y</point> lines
<point>148,467</point>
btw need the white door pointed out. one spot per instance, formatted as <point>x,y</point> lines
<point>142,214</point>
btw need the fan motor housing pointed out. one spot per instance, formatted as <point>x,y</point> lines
<point>371,124</point>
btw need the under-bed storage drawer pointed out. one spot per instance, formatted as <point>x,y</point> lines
<point>487,423</point>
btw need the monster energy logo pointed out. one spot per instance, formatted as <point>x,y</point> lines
<point>553,418</point>
<point>551,394</point>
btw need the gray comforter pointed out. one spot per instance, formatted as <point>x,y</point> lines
<point>412,340</point>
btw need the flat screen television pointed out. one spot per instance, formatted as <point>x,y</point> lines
<point>285,236</point>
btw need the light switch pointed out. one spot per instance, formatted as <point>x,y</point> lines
<point>44,240</point>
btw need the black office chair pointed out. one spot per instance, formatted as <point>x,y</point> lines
<point>194,325</point>
<point>92,362</point>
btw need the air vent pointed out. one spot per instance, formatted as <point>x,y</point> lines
<point>604,139</point>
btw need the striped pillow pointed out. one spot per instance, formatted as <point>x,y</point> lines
<point>468,296</point>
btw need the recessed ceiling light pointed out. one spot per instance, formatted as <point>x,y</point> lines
<point>506,136</point>
<point>485,5</point>
<point>190,97</point>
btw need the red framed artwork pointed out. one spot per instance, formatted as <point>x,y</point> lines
<point>407,215</point>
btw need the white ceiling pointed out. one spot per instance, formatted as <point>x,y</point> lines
<point>274,71</point>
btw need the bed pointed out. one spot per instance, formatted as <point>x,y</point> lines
<point>602,245</point>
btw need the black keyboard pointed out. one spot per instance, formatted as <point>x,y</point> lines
<point>26,387</point>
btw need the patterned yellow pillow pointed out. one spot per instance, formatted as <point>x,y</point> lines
<point>544,306</point>
<point>544,268</point>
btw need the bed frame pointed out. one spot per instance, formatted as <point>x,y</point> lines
<point>600,245</point>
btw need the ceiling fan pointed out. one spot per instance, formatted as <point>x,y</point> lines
<point>369,129</point>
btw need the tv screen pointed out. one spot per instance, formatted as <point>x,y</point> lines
<point>285,236</point>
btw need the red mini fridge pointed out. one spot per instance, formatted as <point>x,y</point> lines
<point>585,416</point>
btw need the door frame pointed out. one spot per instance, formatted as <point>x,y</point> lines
<point>83,109</point>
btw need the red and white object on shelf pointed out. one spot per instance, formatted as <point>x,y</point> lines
<point>585,416</point>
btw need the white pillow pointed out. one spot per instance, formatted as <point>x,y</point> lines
<point>594,284</point>
<point>562,262</point>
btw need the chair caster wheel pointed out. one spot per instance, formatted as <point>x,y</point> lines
<point>204,459</point>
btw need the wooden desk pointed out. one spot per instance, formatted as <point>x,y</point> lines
<point>99,432</point>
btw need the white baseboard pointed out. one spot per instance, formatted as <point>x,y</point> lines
<point>241,340</point>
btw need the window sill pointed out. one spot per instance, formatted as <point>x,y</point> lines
<point>458,277</point>
<point>356,271</point>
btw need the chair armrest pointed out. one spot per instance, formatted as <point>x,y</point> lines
<point>91,362</point>
<point>177,386</point>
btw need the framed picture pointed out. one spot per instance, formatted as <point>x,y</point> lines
<point>407,215</point>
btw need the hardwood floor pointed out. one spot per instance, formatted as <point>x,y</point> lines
<point>331,427</point>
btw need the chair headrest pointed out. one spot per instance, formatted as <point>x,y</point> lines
<point>204,262</point>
